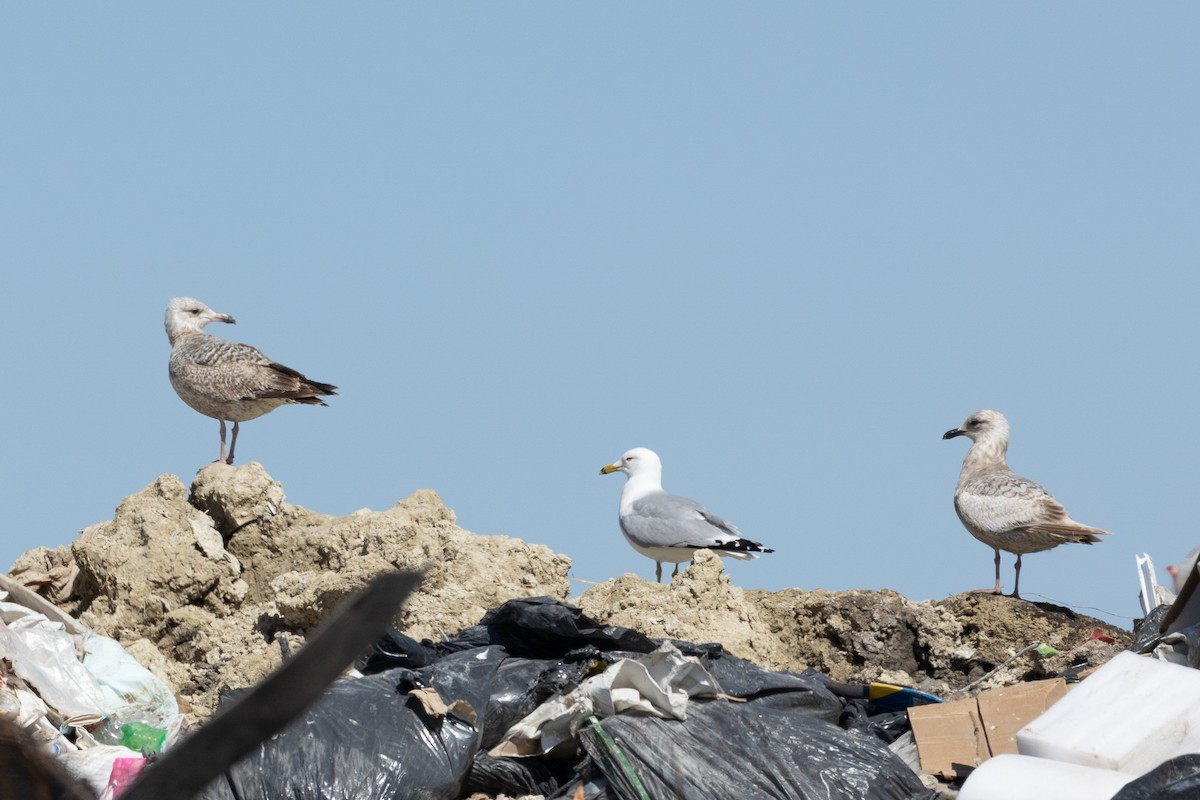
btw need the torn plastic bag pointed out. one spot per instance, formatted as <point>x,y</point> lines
<point>1177,779</point>
<point>542,627</point>
<point>94,765</point>
<point>21,705</point>
<point>739,750</point>
<point>659,683</point>
<point>502,690</point>
<point>368,738</point>
<point>125,682</point>
<point>1178,647</point>
<point>44,656</point>
<point>519,686</point>
<point>1148,630</point>
<point>134,695</point>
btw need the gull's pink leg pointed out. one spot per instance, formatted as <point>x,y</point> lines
<point>1017,580</point>
<point>221,458</point>
<point>232,443</point>
<point>999,587</point>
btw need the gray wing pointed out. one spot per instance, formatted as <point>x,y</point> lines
<point>664,520</point>
<point>229,372</point>
<point>999,502</point>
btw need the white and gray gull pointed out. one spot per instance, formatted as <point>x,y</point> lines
<point>225,380</point>
<point>1000,508</point>
<point>664,527</point>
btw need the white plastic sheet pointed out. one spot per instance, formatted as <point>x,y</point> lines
<point>44,655</point>
<point>659,684</point>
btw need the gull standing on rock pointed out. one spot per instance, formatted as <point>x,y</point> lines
<point>664,527</point>
<point>1003,510</point>
<point>228,381</point>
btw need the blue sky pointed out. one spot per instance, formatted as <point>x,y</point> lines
<point>785,247</point>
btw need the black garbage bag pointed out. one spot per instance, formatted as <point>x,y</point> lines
<point>1146,632</point>
<point>516,777</point>
<point>1177,779</point>
<point>542,627</point>
<point>367,738</point>
<point>888,726</point>
<point>506,690</point>
<point>741,750</point>
<point>395,649</point>
<point>807,691</point>
<point>515,689</point>
<point>1185,642</point>
<point>563,646</point>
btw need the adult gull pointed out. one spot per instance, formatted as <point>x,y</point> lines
<point>664,527</point>
<point>1000,508</point>
<point>225,380</point>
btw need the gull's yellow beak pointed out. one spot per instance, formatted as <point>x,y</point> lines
<point>610,468</point>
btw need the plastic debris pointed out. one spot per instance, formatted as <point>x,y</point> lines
<point>676,719</point>
<point>1011,776</point>
<point>1157,704</point>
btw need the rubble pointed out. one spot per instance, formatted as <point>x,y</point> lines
<point>202,587</point>
<point>211,587</point>
<point>858,636</point>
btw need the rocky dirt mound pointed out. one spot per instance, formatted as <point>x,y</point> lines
<point>861,636</point>
<point>202,587</point>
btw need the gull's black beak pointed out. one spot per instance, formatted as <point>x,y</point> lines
<point>952,433</point>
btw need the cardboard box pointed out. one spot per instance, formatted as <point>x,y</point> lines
<point>953,738</point>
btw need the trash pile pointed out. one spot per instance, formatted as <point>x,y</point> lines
<point>78,695</point>
<point>111,648</point>
<point>538,699</point>
<point>1130,730</point>
<point>206,586</point>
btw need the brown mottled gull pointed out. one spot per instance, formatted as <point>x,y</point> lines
<point>225,380</point>
<point>664,527</point>
<point>1001,509</point>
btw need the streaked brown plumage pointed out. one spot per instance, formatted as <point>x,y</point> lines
<point>225,380</point>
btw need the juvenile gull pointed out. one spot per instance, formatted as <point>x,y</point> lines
<point>228,381</point>
<point>664,527</point>
<point>1001,509</point>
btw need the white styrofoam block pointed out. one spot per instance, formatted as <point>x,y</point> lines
<point>1130,715</point>
<point>1007,776</point>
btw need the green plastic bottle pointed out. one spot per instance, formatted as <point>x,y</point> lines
<point>142,738</point>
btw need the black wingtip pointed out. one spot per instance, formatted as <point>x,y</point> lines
<point>741,546</point>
